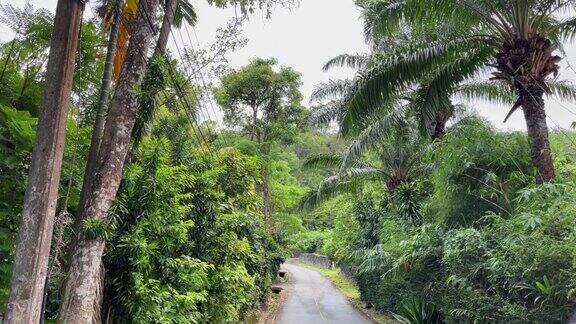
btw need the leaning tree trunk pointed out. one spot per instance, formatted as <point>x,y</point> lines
<point>149,91</point>
<point>169,11</point>
<point>37,220</point>
<point>531,98</point>
<point>80,299</point>
<point>101,110</point>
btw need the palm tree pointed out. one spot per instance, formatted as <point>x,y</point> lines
<point>518,38</point>
<point>428,97</point>
<point>399,150</point>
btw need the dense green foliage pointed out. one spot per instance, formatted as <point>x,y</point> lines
<point>439,221</point>
<point>189,243</point>
<point>493,246</point>
<point>186,241</point>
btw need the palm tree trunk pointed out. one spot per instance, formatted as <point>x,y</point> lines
<point>103,98</point>
<point>80,299</point>
<point>101,110</point>
<point>169,11</point>
<point>33,248</point>
<point>441,118</point>
<point>393,183</point>
<point>531,97</point>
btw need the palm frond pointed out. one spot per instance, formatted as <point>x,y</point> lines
<point>433,95</point>
<point>337,184</point>
<point>402,157</point>
<point>489,91</point>
<point>373,87</point>
<point>371,137</point>
<point>383,18</point>
<point>323,114</point>
<point>563,90</point>
<point>322,161</point>
<point>353,61</point>
<point>566,29</point>
<point>185,11</point>
<point>331,89</point>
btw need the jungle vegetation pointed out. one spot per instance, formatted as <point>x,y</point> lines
<point>179,198</point>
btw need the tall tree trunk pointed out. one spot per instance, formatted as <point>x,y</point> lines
<point>7,60</point>
<point>264,187</point>
<point>24,83</point>
<point>169,11</point>
<point>531,96</point>
<point>80,300</point>
<point>148,92</point>
<point>37,222</point>
<point>265,191</point>
<point>101,107</point>
<point>254,130</point>
<point>102,99</point>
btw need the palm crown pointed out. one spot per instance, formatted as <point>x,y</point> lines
<point>461,40</point>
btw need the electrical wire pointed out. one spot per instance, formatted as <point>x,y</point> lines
<point>176,85</point>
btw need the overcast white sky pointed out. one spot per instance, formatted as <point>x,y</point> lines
<point>305,37</point>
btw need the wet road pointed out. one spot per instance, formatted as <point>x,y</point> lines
<point>313,299</point>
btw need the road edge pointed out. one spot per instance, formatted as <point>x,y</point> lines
<point>356,302</point>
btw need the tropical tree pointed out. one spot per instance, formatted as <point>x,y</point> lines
<point>264,105</point>
<point>82,292</point>
<point>81,297</point>
<point>517,38</point>
<point>399,150</point>
<point>24,57</point>
<point>37,218</point>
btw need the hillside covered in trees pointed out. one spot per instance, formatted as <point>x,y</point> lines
<point>145,183</point>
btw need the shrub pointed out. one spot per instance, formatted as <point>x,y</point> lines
<point>190,244</point>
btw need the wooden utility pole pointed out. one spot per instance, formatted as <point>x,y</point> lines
<point>37,221</point>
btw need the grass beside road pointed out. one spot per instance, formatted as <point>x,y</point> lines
<point>347,287</point>
<point>350,290</point>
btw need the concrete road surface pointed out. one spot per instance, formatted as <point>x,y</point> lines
<point>313,299</point>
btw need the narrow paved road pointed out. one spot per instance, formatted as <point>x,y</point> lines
<point>313,299</point>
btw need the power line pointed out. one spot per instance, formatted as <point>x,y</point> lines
<point>182,59</point>
<point>143,56</point>
<point>201,76</point>
<point>205,88</point>
<point>176,85</point>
